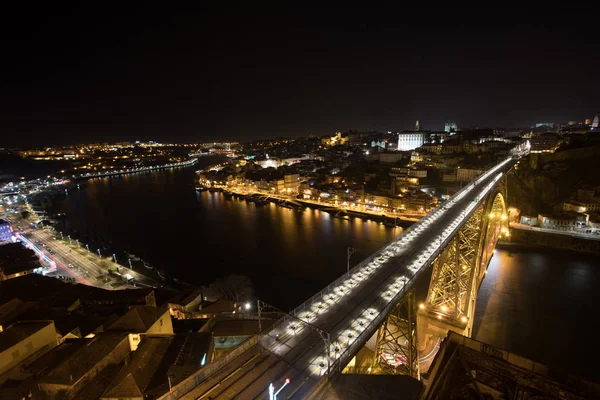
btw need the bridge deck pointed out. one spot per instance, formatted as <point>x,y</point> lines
<point>350,310</point>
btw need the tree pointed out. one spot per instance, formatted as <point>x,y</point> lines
<point>235,287</point>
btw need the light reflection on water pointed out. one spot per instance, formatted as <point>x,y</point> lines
<point>542,304</point>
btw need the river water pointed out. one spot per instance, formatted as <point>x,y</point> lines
<point>537,303</point>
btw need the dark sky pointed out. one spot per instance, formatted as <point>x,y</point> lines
<point>112,73</point>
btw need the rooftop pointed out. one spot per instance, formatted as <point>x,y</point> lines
<point>84,358</point>
<point>138,319</point>
<point>20,331</point>
<point>156,357</point>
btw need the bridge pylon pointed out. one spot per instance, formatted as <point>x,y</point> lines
<point>396,350</point>
<point>459,270</point>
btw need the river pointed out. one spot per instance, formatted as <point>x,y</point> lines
<point>538,303</point>
<point>198,237</point>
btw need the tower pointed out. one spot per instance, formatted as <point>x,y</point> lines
<point>418,126</point>
<point>596,122</point>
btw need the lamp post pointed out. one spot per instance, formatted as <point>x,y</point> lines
<point>115,258</point>
<point>99,255</point>
<point>87,246</point>
<point>69,236</point>
<point>61,236</point>
<point>130,266</point>
<point>351,250</point>
<point>272,393</point>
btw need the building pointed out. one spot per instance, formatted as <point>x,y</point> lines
<point>581,206</point>
<point>408,171</point>
<point>568,221</point>
<point>418,201</point>
<point>410,140</point>
<point>545,125</point>
<point>546,143</point>
<point>5,231</point>
<point>468,174</point>
<point>23,339</point>
<point>17,261</point>
<point>144,319</point>
<point>450,127</point>
<point>73,366</point>
<point>158,363</point>
<point>596,122</point>
<point>184,303</point>
<point>390,158</point>
<point>291,183</point>
<point>464,368</point>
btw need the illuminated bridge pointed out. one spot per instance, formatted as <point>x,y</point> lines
<point>373,305</point>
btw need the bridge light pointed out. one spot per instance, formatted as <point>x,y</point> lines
<point>504,217</point>
<point>492,215</point>
<point>444,308</point>
<point>421,306</point>
<point>463,319</point>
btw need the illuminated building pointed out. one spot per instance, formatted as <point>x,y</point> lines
<point>450,127</point>
<point>5,231</point>
<point>410,141</point>
<point>596,121</point>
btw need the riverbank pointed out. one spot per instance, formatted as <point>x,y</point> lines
<point>261,199</point>
<point>558,240</point>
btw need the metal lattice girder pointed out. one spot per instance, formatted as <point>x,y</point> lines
<point>450,290</point>
<point>396,350</point>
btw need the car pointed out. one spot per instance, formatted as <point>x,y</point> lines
<point>70,265</point>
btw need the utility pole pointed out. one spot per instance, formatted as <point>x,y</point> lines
<point>351,250</point>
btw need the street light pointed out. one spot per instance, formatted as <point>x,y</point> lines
<point>115,258</point>
<point>272,393</point>
<point>61,236</point>
<point>69,236</point>
<point>87,247</point>
<point>351,250</point>
<point>100,255</point>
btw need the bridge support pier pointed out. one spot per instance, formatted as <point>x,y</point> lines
<point>396,350</point>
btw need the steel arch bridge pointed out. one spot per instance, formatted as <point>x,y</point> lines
<point>373,301</point>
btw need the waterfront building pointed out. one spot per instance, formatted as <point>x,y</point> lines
<point>567,221</point>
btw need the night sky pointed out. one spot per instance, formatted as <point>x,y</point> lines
<point>113,73</point>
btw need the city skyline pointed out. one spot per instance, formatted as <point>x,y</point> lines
<point>242,73</point>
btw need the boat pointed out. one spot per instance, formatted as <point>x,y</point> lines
<point>132,256</point>
<point>200,188</point>
<point>148,265</point>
